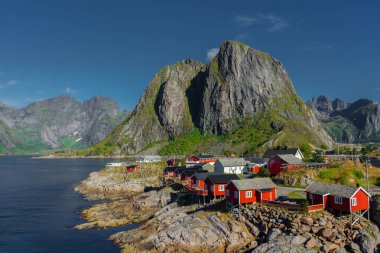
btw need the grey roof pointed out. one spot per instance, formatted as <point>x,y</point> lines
<point>203,176</point>
<point>201,165</point>
<point>254,184</point>
<point>270,153</point>
<point>200,156</point>
<point>290,159</point>
<point>222,178</point>
<point>237,161</point>
<point>344,191</point>
<point>189,173</point>
<point>258,160</point>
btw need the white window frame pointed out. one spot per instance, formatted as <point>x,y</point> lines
<point>220,188</point>
<point>354,202</point>
<point>338,200</point>
<point>227,193</point>
<point>248,194</point>
<point>236,194</point>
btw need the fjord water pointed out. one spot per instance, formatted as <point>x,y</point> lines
<point>38,205</point>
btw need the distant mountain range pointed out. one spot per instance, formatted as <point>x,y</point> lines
<point>242,100</point>
<point>57,123</point>
<point>356,122</point>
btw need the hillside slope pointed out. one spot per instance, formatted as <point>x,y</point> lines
<point>355,122</point>
<point>243,99</point>
<point>57,123</point>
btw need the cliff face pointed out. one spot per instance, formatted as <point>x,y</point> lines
<point>60,122</point>
<point>345,122</point>
<point>163,111</point>
<point>239,84</point>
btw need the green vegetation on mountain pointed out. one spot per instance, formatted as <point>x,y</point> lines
<point>58,123</point>
<point>241,102</point>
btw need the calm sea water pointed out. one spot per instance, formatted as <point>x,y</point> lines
<point>38,204</point>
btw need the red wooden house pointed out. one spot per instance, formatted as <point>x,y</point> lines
<point>198,180</point>
<point>281,163</point>
<point>171,162</point>
<point>343,198</point>
<point>250,191</point>
<point>169,172</point>
<point>203,158</point>
<point>133,168</point>
<point>187,174</point>
<point>216,184</point>
<point>178,172</point>
<point>254,168</point>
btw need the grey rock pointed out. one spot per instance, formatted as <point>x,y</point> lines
<point>283,244</point>
<point>52,120</point>
<point>239,83</point>
<point>366,242</point>
<point>273,233</point>
<point>361,119</point>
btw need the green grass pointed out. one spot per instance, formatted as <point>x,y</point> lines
<point>191,142</point>
<point>296,195</point>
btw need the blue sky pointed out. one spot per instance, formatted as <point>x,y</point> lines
<point>113,48</point>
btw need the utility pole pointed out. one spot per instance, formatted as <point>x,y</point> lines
<point>366,165</point>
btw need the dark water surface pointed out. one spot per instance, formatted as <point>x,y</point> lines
<point>38,203</point>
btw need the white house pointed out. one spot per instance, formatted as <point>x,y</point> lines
<point>272,152</point>
<point>231,165</point>
<point>149,159</point>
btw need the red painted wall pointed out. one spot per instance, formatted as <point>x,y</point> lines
<point>209,185</point>
<point>255,169</point>
<point>256,195</point>
<point>274,166</point>
<point>362,200</point>
<point>345,207</point>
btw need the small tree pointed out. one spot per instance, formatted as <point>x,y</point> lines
<point>306,151</point>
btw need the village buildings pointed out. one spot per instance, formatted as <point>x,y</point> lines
<point>235,165</point>
<point>254,190</point>
<point>270,153</point>
<point>343,198</point>
<point>286,162</point>
<point>202,158</point>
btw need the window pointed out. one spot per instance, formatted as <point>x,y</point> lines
<point>354,202</point>
<point>248,194</point>
<point>227,193</point>
<point>338,200</point>
<point>236,195</point>
<point>221,188</point>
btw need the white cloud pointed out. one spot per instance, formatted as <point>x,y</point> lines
<point>69,90</point>
<point>8,83</point>
<point>277,23</point>
<point>273,22</point>
<point>245,20</point>
<point>211,53</point>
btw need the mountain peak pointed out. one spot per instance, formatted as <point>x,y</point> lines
<point>237,86</point>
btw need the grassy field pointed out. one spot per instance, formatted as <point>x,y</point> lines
<point>347,173</point>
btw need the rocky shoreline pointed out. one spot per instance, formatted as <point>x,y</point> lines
<point>171,223</point>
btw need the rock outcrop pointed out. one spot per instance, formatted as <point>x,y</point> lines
<point>60,122</point>
<point>241,86</point>
<point>173,230</point>
<point>348,122</point>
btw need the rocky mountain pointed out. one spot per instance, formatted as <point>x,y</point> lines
<point>57,123</point>
<point>348,122</point>
<point>241,100</point>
